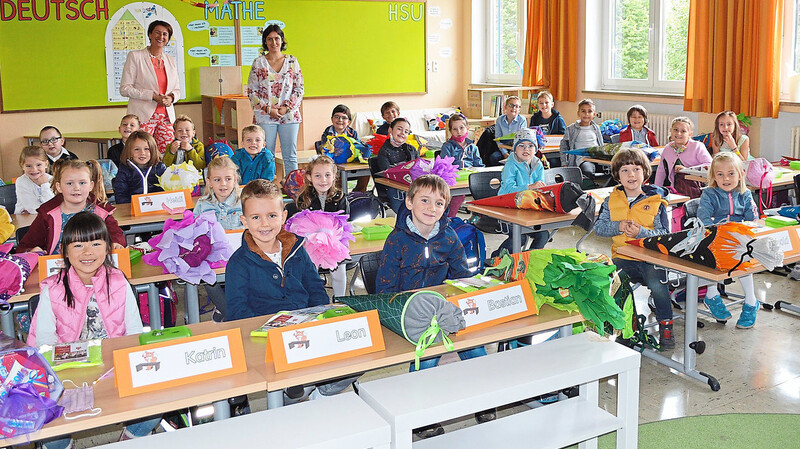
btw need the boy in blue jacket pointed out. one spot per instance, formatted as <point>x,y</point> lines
<point>254,160</point>
<point>423,251</point>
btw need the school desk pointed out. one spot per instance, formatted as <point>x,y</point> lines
<point>101,138</point>
<point>303,158</point>
<point>461,188</point>
<point>784,182</point>
<point>535,220</point>
<point>352,170</point>
<point>607,163</point>
<point>696,276</point>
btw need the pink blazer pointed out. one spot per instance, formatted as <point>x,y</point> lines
<point>139,83</point>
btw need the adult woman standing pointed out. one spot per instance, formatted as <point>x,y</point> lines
<point>275,88</point>
<point>150,80</point>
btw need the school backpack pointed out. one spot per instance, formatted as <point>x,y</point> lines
<point>293,184</point>
<point>167,300</point>
<point>472,240</point>
<point>761,174</point>
<point>216,149</point>
<point>362,204</point>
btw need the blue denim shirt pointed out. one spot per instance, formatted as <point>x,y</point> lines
<point>227,212</point>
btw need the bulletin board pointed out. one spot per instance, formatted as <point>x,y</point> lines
<point>54,54</point>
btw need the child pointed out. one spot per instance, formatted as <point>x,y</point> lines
<point>422,251</point>
<point>127,126</point>
<point>507,123</point>
<point>139,169</point>
<point>254,160</point>
<point>222,196</point>
<point>33,187</point>
<point>463,150</point>
<point>79,186</point>
<point>727,136</point>
<point>547,118</point>
<point>522,171</point>
<point>389,111</point>
<point>6,227</point>
<point>53,143</point>
<point>682,151</point>
<point>637,127</point>
<point>634,211</point>
<point>186,146</point>
<point>340,124</point>
<point>89,299</point>
<point>584,133</point>
<point>321,191</point>
<point>728,199</point>
<point>395,151</point>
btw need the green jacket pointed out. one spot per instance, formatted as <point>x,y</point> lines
<point>197,155</point>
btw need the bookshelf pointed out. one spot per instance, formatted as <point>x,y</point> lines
<point>486,102</point>
<point>227,123</point>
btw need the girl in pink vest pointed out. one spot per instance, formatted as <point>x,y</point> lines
<point>88,299</point>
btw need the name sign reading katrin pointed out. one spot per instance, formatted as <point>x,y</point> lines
<point>323,341</point>
<point>153,203</point>
<point>495,305</point>
<point>176,362</point>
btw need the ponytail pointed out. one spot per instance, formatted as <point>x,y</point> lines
<point>95,175</point>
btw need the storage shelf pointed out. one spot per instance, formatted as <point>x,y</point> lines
<point>236,114</point>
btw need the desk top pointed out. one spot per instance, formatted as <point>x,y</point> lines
<point>303,157</point>
<point>786,179</point>
<point>404,187</point>
<point>653,163</point>
<point>364,246</point>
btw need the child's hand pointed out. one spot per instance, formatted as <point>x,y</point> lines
<point>623,226</point>
<point>536,185</point>
<point>186,146</point>
<point>37,249</point>
<point>728,138</point>
<point>632,230</point>
<point>174,146</point>
<point>116,246</point>
<point>678,168</point>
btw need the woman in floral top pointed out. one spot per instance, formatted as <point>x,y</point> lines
<point>275,88</point>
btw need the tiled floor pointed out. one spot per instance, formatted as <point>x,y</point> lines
<point>758,369</point>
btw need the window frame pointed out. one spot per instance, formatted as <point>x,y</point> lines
<point>656,54</point>
<point>790,46</point>
<point>491,32</point>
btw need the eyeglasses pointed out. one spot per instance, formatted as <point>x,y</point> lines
<point>341,117</point>
<point>513,106</point>
<point>49,141</point>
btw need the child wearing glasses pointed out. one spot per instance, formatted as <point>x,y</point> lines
<point>340,124</point>
<point>510,122</point>
<point>394,151</point>
<point>53,143</point>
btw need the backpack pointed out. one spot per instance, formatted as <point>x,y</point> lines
<point>167,300</point>
<point>361,204</point>
<point>294,182</point>
<point>761,174</point>
<point>473,241</point>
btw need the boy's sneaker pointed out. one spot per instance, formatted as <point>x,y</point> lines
<point>717,308</point>
<point>216,316</point>
<point>748,317</point>
<point>486,416</point>
<point>434,430</point>
<point>666,340</point>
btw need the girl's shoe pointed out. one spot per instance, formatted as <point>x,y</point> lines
<point>748,317</point>
<point>717,308</point>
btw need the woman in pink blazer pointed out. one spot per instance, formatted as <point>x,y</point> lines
<point>150,80</point>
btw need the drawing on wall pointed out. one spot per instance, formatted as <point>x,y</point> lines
<point>127,31</point>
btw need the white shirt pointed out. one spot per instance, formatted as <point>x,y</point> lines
<point>30,196</point>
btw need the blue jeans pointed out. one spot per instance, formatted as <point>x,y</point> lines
<point>396,198</point>
<point>540,239</point>
<point>495,158</point>
<point>140,428</point>
<point>654,279</point>
<point>288,135</point>
<point>480,351</point>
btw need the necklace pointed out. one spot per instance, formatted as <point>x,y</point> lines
<point>678,148</point>
<point>158,61</point>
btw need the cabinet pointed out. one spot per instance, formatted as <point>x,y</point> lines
<point>225,116</point>
<point>482,102</point>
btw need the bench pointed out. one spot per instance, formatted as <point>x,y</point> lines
<point>338,421</point>
<point>414,400</point>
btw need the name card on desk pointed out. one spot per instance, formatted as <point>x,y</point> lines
<point>324,341</point>
<point>788,238</point>
<point>234,238</point>
<point>153,203</point>
<point>495,305</point>
<point>50,265</point>
<point>167,364</point>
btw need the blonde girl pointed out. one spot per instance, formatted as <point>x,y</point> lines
<point>727,136</point>
<point>682,151</point>
<point>79,187</point>
<point>33,187</point>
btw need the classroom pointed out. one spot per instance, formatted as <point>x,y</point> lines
<point>721,383</point>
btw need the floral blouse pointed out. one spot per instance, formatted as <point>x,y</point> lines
<point>283,88</point>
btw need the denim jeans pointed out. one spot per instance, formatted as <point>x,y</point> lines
<point>396,198</point>
<point>480,351</point>
<point>654,279</point>
<point>540,239</point>
<point>140,428</point>
<point>288,138</point>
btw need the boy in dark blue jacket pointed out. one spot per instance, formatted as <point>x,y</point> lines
<point>423,251</point>
<point>271,271</point>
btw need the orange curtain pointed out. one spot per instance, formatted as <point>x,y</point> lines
<point>734,56</point>
<point>551,46</point>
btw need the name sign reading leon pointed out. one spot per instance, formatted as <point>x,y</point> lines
<point>167,364</point>
<point>323,341</point>
<point>153,203</point>
<point>495,305</point>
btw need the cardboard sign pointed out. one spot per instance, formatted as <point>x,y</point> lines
<point>234,238</point>
<point>495,305</point>
<point>50,265</point>
<point>318,342</point>
<point>152,203</point>
<point>788,238</point>
<point>158,366</point>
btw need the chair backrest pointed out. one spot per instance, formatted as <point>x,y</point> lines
<point>797,188</point>
<point>368,265</point>
<point>21,233</point>
<point>8,197</point>
<point>33,303</point>
<point>481,185</point>
<point>382,191</point>
<point>615,138</point>
<point>562,174</point>
<point>690,207</point>
<point>362,205</point>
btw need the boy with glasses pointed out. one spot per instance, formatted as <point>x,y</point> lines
<point>53,143</point>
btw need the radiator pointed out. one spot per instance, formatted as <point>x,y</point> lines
<point>659,123</point>
<point>796,142</point>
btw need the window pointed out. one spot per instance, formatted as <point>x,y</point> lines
<point>505,43</point>
<point>790,73</point>
<point>644,44</point>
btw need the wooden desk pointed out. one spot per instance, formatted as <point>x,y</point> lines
<point>117,410</point>
<point>352,170</point>
<point>653,163</point>
<point>461,187</point>
<point>101,138</point>
<point>786,181</point>
<point>695,275</point>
